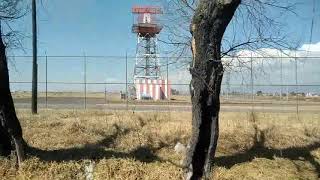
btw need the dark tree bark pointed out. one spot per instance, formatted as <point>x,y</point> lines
<point>10,128</point>
<point>208,26</point>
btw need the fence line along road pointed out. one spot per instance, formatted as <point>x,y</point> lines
<point>291,83</point>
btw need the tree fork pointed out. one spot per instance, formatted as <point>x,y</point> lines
<point>207,28</point>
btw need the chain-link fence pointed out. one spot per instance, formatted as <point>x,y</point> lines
<point>277,83</point>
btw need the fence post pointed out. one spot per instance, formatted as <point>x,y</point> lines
<point>85,81</point>
<point>251,76</point>
<point>168,99</point>
<point>127,95</point>
<point>46,81</point>
<point>297,89</point>
<point>105,93</point>
<point>243,91</point>
<point>227,84</point>
<point>281,78</point>
<point>287,92</point>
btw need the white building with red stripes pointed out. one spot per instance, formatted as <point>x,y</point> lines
<point>156,89</point>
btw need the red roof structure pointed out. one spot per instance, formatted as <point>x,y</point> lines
<point>145,22</point>
<point>146,9</point>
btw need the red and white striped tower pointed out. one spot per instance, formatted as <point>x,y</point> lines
<point>147,77</point>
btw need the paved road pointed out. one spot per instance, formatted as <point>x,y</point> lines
<point>176,107</point>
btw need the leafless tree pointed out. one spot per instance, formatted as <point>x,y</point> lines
<point>208,27</point>
<point>219,28</point>
<point>10,128</point>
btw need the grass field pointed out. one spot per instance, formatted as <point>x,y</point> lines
<point>125,145</point>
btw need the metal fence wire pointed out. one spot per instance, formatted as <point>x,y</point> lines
<point>263,83</point>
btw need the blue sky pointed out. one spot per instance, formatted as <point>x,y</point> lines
<point>103,27</point>
<point>74,27</point>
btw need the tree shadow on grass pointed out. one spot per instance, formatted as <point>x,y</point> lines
<point>258,150</point>
<point>98,150</point>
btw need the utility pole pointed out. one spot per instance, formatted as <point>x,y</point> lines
<point>34,104</point>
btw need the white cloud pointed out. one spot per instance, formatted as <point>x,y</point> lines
<point>267,69</point>
<point>311,47</point>
<point>306,50</point>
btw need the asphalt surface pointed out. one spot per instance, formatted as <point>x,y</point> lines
<point>100,103</point>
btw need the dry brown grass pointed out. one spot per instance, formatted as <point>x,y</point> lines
<point>124,145</point>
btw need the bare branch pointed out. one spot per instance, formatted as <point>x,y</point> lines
<point>188,4</point>
<point>259,28</point>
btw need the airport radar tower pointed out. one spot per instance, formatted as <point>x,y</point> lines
<point>147,75</point>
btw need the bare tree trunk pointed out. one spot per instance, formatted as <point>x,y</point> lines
<point>208,26</point>
<point>10,129</point>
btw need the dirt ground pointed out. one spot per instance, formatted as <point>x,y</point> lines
<point>111,97</point>
<point>69,144</point>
